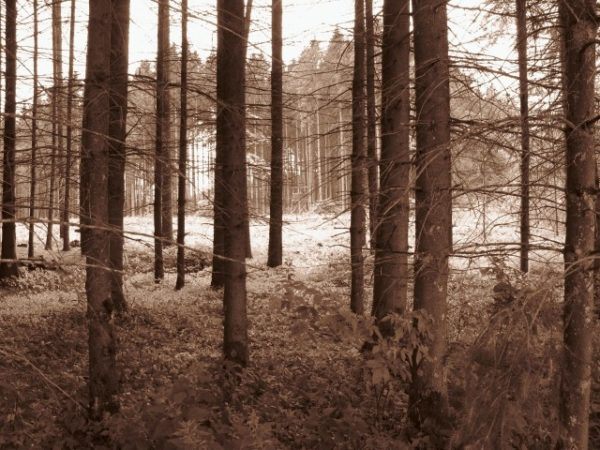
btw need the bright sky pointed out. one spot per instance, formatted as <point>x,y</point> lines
<point>303,20</point>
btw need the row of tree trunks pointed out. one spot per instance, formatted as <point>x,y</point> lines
<point>8,254</point>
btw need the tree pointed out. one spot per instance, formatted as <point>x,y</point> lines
<point>579,25</point>
<point>391,245</point>
<point>525,156</point>
<point>231,144</point>
<point>119,61</point>
<point>57,128</point>
<point>433,204</point>
<point>163,138</point>
<point>162,180</point>
<point>8,255</point>
<point>371,121</point>
<point>276,201</point>
<point>183,141</point>
<point>69,156</point>
<point>34,129</point>
<point>103,373</point>
<point>357,200</point>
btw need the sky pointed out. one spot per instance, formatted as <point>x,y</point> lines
<point>303,21</point>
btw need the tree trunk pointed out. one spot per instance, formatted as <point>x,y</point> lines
<point>183,141</point>
<point>69,155</point>
<point>162,79</point>
<point>371,122</point>
<point>391,245</point>
<point>162,180</point>
<point>34,127</point>
<point>276,201</point>
<point>357,196</point>
<point>525,155</point>
<point>119,61</point>
<point>231,140</point>
<point>579,27</point>
<point>247,25</point>
<point>103,374</point>
<point>8,255</point>
<point>428,396</point>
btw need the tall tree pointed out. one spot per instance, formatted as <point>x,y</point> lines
<point>164,120</point>
<point>69,156</point>
<point>525,155</point>
<point>161,179</point>
<point>8,255</point>
<point>428,396</point>
<point>391,246</point>
<point>34,129</point>
<point>371,121</point>
<point>103,373</point>
<point>579,23</point>
<point>119,61</point>
<point>56,116</point>
<point>231,143</point>
<point>357,200</point>
<point>183,141</point>
<point>276,202</point>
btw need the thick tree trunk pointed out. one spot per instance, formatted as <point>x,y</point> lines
<point>579,27</point>
<point>276,202</point>
<point>391,246</point>
<point>164,122</point>
<point>371,122</point>
<point>103,374</point>
<point>231,140</point>
<point>69,156</point>
<point>183,141</point>
<point>428,396</point>
<point>525,156</point>
<point>358,197</point>
<point>119,61</point>
<point>34,129</point>
<point>8,255</point>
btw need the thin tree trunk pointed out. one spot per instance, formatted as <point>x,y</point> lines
<point>247,25</point>
<point>579,27</point>
<point>69,156</point>
<point>183,141</point>
<point>119,61</point>
<point>162,73</point>
<point>34,112</point>
<point>276,203</point>
<point>8,255</point>
<point>231,140</point>
<point>103,373</point>
<point>391,245</point>
<point>358,197</point>
<point>428,395</point>
<point>371,122</point>
<point>162,180</point>
<point>525,155</point>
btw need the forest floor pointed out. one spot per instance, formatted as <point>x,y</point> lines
<point>308,385</point>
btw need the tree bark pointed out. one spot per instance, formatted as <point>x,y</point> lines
<point>183,134</point>
<point>357,196</point>
<point>428,396</point>
<point>371,122</point>
<point>525,155</point>
<point>276,202</point>
<point>579,27</point>
<point>8,255</point>
<point>34,129</point>
<point>119,62</point>
<point>162,75</point>
<point>391,245</point>
<point>231,140</point>
<point>69,151</point>
<point>103,374</point>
